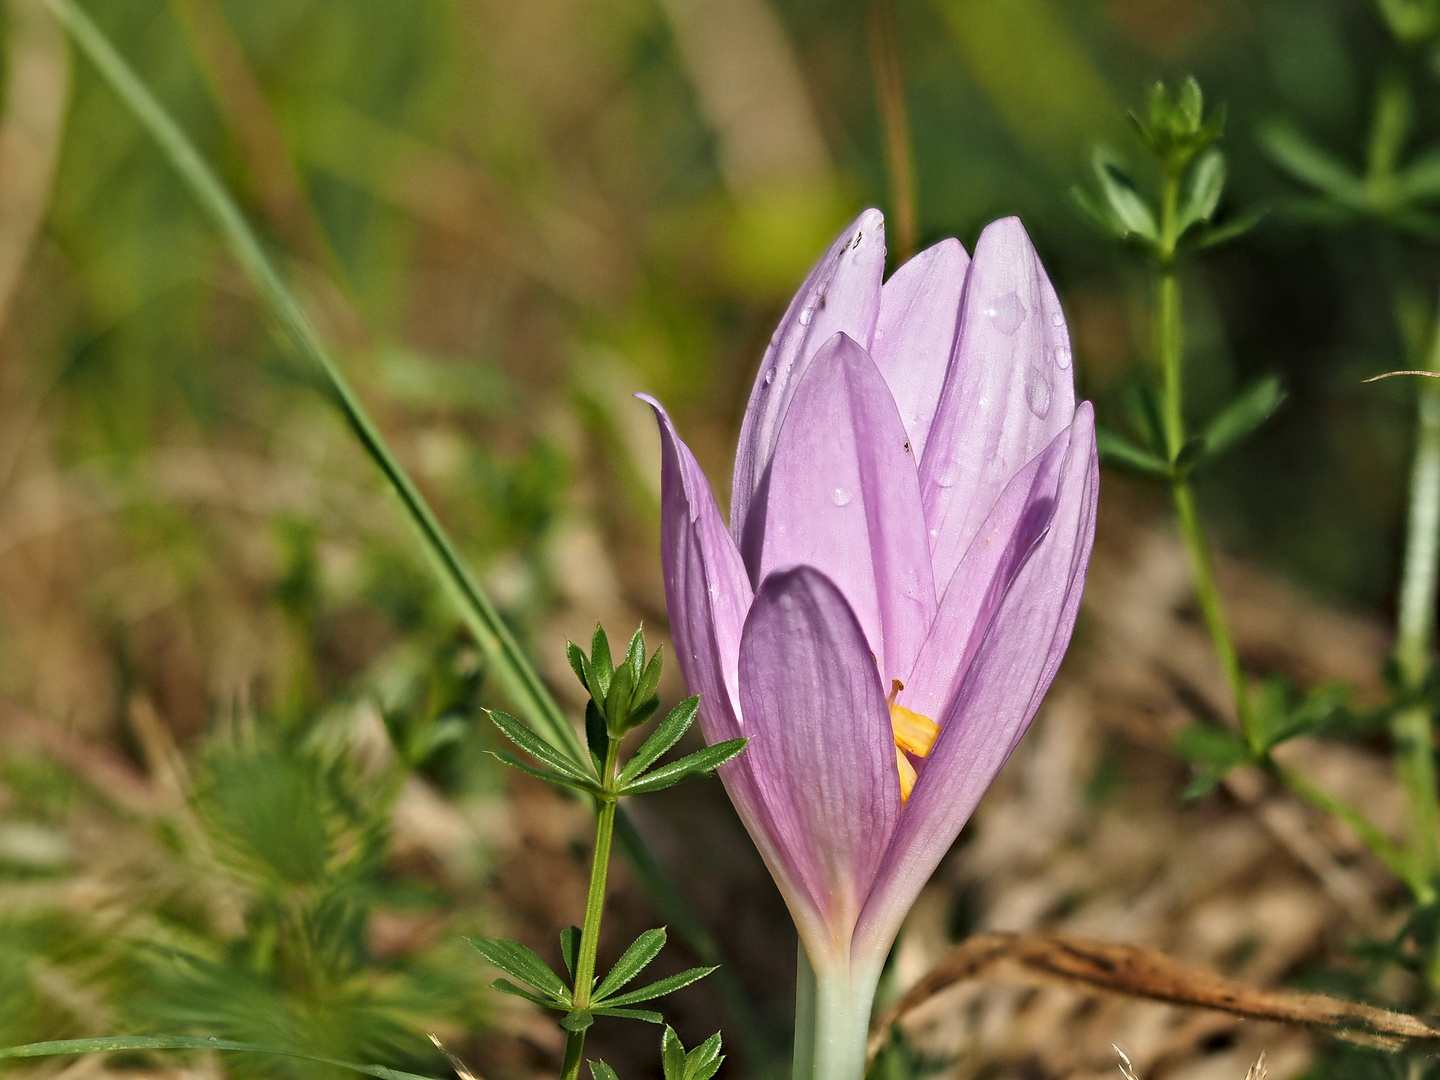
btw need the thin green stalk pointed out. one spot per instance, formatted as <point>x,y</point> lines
<point>1170,351</point>
<point>802,1065</point>
<point>1395,858</point>
<point>842,1002</point>
<point>521,682</point>
<point>1412,728</point>
<point>594,911</point>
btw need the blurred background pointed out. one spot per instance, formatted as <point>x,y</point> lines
<point>243,781</point>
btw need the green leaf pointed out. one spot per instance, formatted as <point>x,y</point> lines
<point>1212,746</point>
<point>1124,199</point>
<point>597,739</point>
<point>1280,716</point>
<point>534,745</point>
<point>1098,214</point>
<point>1254,405</point>
<point>1238,225</point>
<point>570,948</point>
<point>1142,405</point>
<point>643,711</point>
<point>578,662</point>
<point>1420,180</point>
<point>704,1061</point>
<point>577,1020</point>
<point>1189,104</point>
<point>672,1055</point>
<point>646,686</point>
<point>1309,164</point>
<point>666,734</point>
<point>515,959</point>
<point>660,989</point>
<point>635,656</point>
<point>649,1016</point>
<point>505,986</point>
<point>600,1071</point>
<point>696,764</point>
<point>641,951</point>
<point>111,1043</point>
<point>1116,450</point>
<point>1203,187</point>
<point>617,701</point>
<point>582,784</point>
<point>601,662</point>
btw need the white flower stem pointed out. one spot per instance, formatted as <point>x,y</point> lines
<point>832,1012</point>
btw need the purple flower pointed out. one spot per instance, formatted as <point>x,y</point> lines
<point>912,513</point>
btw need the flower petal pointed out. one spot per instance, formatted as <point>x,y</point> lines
<point>1018,521</point>
<point>821,749</point>
<point>1013,668</point>
<point>844,497</point>
<point>1008,393</point>
<point>708,595</point>
<point>842,294</point>
<point>915,335</point>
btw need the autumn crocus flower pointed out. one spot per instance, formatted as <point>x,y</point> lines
<point>912,513</point>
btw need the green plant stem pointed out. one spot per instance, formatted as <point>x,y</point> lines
<point>1387,851</point>
<point>1412,727</point>
<point>802,1065</point>
<point>594,910</point>
<point>1170,351</point>
<point>521,682</point>
<point>841,1010</point>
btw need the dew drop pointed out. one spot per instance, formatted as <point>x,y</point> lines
<point>1062,356</point>
<point>948,475</point>
<point>1037,390</point>
<point>840,497</point>
<point>806,314</point>
<point>1007,312</point>
<point>1057,319</point>
<point>769,376</point>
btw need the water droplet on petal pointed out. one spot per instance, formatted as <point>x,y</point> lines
<point>948,475</point>
<point>1057,319</point>
<point>1037,390</point>
<point>769,376</point>
<point>840,497</point>
<point>1007,312</point>
<point>1062,356</point>
<point>806,314</point>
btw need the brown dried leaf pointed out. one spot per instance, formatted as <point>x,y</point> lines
<point>1144,973</point>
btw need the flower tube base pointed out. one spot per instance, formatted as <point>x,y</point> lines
<point>834,1005</point>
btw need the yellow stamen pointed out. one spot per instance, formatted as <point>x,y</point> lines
<point>907,775</point>
<point>914,734</point>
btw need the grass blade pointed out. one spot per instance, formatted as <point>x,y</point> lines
<point>181,1042</point>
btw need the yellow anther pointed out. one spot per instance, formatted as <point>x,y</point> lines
<point>914,734</point>
<point>907,775</point>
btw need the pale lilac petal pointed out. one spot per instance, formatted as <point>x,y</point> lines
<point>915,335</point>
<point>844,497</point>
<point>708,595</point>
<point>998,552</point>
<point>841,295</point>
<point>707,592</point>
<point>1008,393</point>
<point>821,746</point>
<point>1013,668</point>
